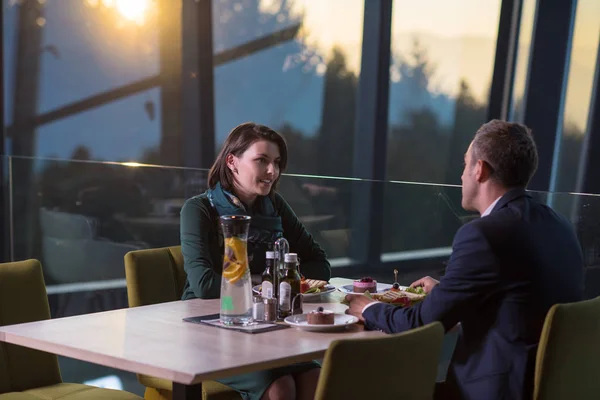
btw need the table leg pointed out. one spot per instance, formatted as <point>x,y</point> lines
<point>187,392</point>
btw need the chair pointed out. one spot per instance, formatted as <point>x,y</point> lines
<point>399,366</point>
<point>157,276</point>
<point>27,374</point>
<point>567,358</point>
<point>74,253</point>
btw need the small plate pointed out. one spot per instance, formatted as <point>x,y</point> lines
<point>341,321</point>
<point>327,289</point>
<point>381,287</point>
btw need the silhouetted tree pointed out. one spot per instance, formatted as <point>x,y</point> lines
<point>336,134</point>
<point>469,115</point>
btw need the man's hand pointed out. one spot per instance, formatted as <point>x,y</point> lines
<point>356,303</point>
<point>428,283</point>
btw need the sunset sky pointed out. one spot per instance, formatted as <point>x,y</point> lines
<point>116,43</point>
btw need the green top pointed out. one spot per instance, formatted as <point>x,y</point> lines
<point>202,247</point>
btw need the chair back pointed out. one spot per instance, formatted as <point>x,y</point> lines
<point>399,366</point>
<point>568,355</point>
<point>154,276</point>
<point>23,299</point>
<point>62,225</point>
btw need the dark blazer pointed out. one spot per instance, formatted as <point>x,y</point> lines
<point>506,270</point>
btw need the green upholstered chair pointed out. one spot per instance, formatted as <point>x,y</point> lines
<point>568,354</point>
<point>27,374</point>
<point>399,366</point>
<point>157,276</point>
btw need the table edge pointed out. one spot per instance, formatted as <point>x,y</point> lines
<point>96,358</point>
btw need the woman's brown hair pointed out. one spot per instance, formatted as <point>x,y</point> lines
<point>238,141</point>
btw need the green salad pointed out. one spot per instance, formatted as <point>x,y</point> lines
<point>415,290</point>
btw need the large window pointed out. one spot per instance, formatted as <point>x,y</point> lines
<point>294,66</point>
<point>87,74</point>
<point>442,62</point>
<point>582,67</point>
<point>91,46</point>
<point>123,130</point>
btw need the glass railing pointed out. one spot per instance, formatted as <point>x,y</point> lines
<point>79,218</point>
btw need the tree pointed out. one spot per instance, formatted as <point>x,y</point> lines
<point>336,134</point>
<point>469,115</point>
<point>417,71</point>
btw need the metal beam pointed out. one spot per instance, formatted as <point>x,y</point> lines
<point>85,104</point>
<point>25,104</point>
<point>546,83</point>
<point>370,134</point>
<point>505,61</point>
<point>4,226</point>
<point>198,85</point>
<point>259,44</point>
<point>226,56</point>
<point>588,177</point>
<point>170,57</point>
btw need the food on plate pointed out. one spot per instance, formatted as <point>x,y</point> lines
<point>366,284</point>
<point>416,290</point>
<point>320,317</point>
<point>304,286</point>
<point>401,297</point>
<point>308,286</point>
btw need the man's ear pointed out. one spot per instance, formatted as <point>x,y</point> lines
<point>482,171</point>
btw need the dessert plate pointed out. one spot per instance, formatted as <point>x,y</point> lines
<point>326,289</point>
<point>381,287</point>
<point>341,321</point>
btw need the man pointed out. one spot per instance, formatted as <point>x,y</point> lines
<point>506,270</point>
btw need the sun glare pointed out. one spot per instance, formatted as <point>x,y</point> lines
<point>133,10</point>
<point>132,164</point>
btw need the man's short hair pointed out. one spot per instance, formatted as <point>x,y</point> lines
<point>510,151</point>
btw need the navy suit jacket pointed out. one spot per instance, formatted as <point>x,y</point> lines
<point>506,270</point>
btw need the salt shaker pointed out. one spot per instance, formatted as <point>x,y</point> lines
<point>258,308</point>
<point>270,309</point>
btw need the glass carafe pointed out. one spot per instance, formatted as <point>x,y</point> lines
<point>236,286</point>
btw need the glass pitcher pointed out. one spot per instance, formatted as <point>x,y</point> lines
<point>236,286</point>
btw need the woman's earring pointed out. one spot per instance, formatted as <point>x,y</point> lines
<point>235,170</point>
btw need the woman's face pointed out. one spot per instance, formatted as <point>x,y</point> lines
<point>256,170</point>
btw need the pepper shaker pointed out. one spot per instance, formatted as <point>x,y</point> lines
<point>270,309</point>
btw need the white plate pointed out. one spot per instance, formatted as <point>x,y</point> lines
<point>381,287</point>
<point>341,321</point>
<point>325,290</point>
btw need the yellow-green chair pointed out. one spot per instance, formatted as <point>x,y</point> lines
<point>399,366</point>
<point>27,374</point>
<point>569,353</point>
<point>157,276</point>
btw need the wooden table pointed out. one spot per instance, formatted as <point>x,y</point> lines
<point>153,340</point>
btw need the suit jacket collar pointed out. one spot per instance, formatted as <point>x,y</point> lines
<point>509,196</point>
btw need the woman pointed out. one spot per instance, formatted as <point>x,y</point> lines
<point>243,180</point>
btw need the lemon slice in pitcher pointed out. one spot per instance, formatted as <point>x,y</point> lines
<point>234,272</point>
<point>237,246</point>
